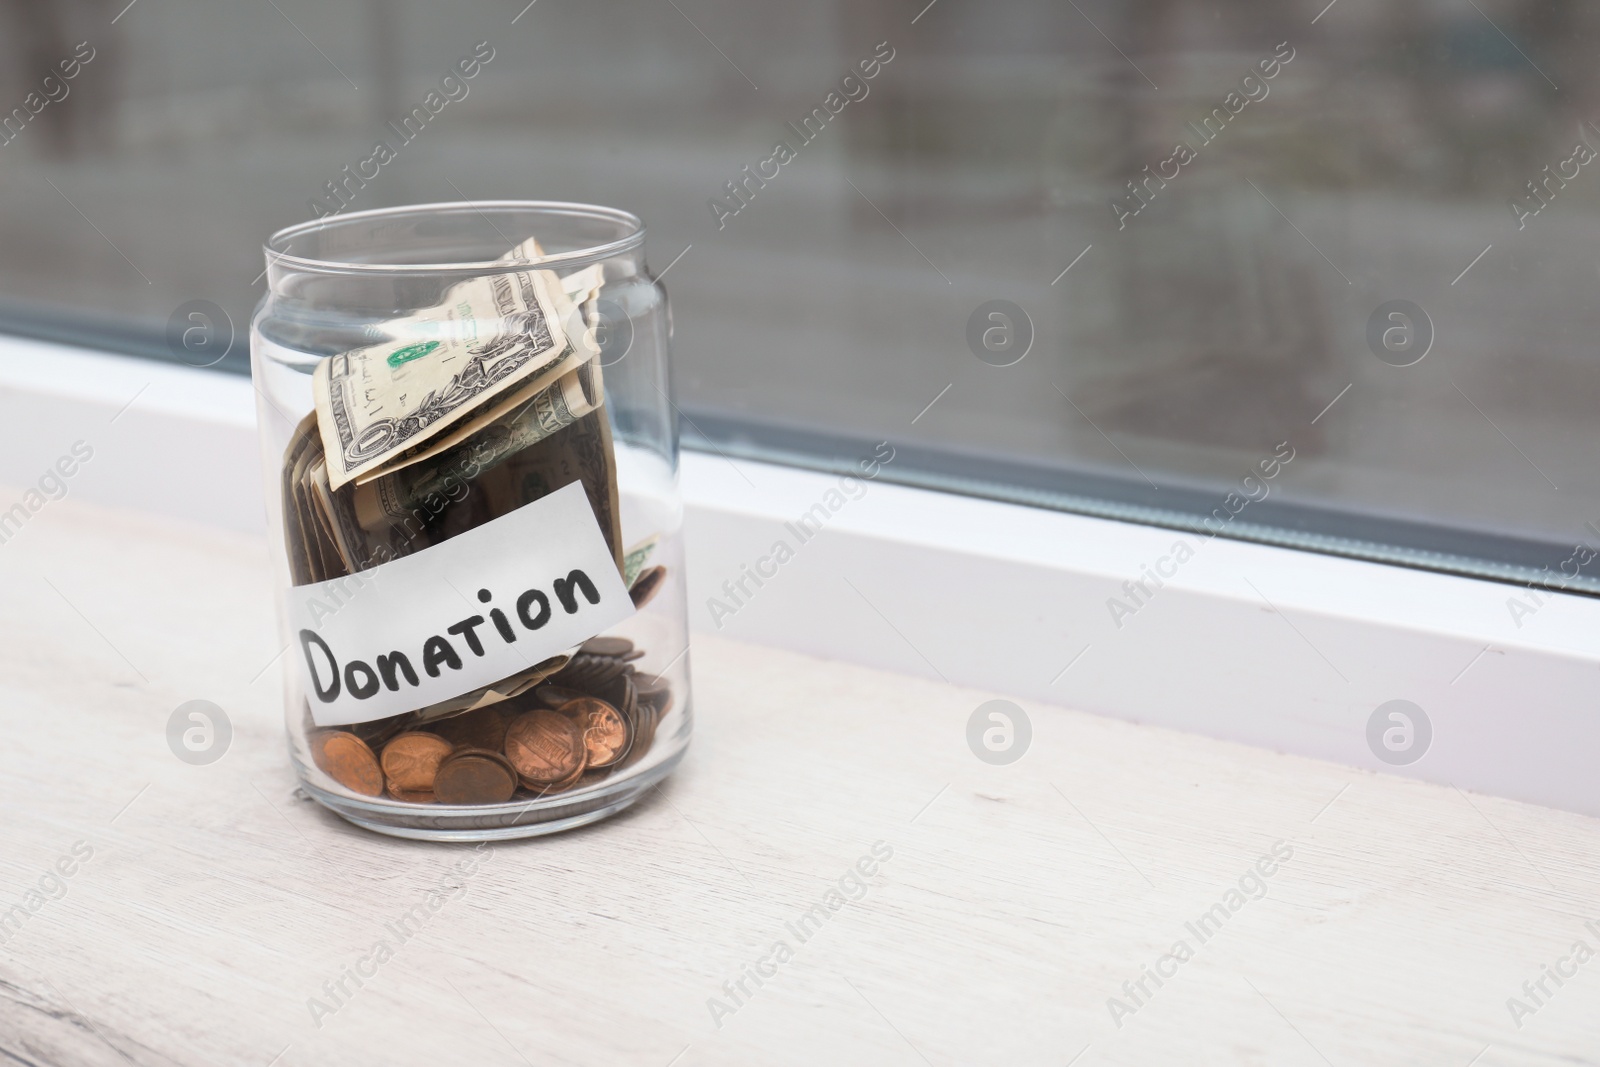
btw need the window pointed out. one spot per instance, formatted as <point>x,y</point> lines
<point>1313,274</point>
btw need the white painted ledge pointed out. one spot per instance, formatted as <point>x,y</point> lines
<point>166,438</point>
<point>1287,650</point>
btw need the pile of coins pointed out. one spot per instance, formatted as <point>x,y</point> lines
<point>589,720</point>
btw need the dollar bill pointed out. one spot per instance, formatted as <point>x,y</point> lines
<point>490,336</point>
<point>583,286</point>
<point>338,517</point>
<point>504,689</point>
<point>635,558</point>
<point>296,537</point>
<point>545,390</point>
<point>390,498</point>
<point>581,347</point>
<point>579,453</point>
<point>312,549</point>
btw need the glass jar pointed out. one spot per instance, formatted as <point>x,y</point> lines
<point>471,466</point>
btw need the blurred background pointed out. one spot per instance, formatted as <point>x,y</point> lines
<point>1167,355</point>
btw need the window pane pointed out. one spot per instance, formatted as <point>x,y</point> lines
<point>1316,275</point>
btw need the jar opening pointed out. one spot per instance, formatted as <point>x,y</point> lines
<point>461,238</point>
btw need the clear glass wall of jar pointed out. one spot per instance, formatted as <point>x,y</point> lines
<point>471,459</point>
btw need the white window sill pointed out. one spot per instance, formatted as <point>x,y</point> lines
<point>1016,903</point>
<point>1288,650</point>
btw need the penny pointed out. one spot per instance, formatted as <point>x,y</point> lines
<point>649,584</point>
<point>607,646</point>
<point>587,671</point>
<point>558,787</point>
<point>648,697</point>
<point>544,746</point>
<point>656,692</point>
<point>553,696</point>
<point>377,733</point>
<point>630,700</point>
<point>484,728</point>
<point>622,693</point>
<point>474,776</point>
<point>595,718</point>
<point>346,759</point>
<point>411,760</point>
<point>605,731</point>
<point>625,698</point>
<point>588,778</point>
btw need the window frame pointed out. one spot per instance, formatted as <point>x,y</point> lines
<point>1244,642</point>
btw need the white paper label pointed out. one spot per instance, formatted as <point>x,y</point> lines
<point>458,615</point>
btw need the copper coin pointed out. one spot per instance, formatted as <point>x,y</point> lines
<point>648,585</point>
<point>623,694</point>
<point>412,796</point>
<point>658,692</point>
<point>378,732</point>
<point>605,731</point>
<point>484,728</point>
<point>346,759</point>
<point>558,787</point>
<point>410,760</point>
<point>545,746</point>
<point>589,672</point>
<point>588,778</point>
<point>626,698</point>
<point>474,776</point>
<point>650,697</point>
<point>607,646</point>
<point>554,696</point>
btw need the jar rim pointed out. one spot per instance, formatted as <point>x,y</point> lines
<point>633,236</point>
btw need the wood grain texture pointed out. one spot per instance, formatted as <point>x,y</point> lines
<point>1018,899</point>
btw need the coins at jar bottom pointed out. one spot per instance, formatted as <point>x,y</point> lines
<point>657,692</point>
<point>593,720</point>
<point>410,761</point>
<point>545,747</point>
<point>484,728</point>
<point>346,759</point>
<point>623,694</point>
<point>558,787</point>
<point>588,778</point>
<point>554,696</point>
<point>475,776</point>
<point>589,671</point>
<point>605,732</point>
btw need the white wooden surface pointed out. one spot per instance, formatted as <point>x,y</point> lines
<point>1017,901</point>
